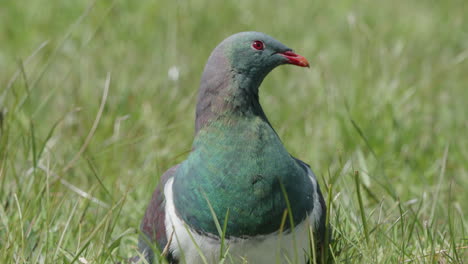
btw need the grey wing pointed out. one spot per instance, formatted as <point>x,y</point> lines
<point>318,214</point>
<point>153,224</point>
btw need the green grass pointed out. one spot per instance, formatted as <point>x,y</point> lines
<point>89,119</point>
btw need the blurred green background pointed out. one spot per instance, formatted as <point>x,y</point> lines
<point>386,95</point>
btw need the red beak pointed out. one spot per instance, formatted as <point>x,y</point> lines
<point>295,59</point>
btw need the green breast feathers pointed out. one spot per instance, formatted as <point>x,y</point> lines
<point>241,165</point>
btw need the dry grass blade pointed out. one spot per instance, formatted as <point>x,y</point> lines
<point>93,128</point>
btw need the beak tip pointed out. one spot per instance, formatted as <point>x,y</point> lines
<point>295,59</point>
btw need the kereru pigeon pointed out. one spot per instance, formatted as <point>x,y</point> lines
<point>238,167</point>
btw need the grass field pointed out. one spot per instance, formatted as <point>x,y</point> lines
<point>90,118</point>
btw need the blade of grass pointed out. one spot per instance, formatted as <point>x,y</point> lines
<point>223,257</point>
<point>95,230</point>
<point>67,224</point>
<point>218,226</point>
<point>33,145</point>
<point>324,253</point>
<point>291,220</point>
<point>200,252</point>
<point>450,227</point>
<point>312,245</point>
<point>280,234</point>
<point>93,128</point>
<point>439,184</point>
<point>361,206</point>
<point>95,174</point>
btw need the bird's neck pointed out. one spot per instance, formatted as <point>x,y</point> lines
<point>227,94</point>
<point>242,97</point>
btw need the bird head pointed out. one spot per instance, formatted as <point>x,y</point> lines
<point>255,53</point>
<point>234,72</point>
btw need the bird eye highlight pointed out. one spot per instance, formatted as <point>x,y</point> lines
<point>258,45</point>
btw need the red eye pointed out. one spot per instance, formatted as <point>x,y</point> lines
<point>258,45</point>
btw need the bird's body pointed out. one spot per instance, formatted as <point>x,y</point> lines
<point>238,167</point>
<point>269,248</point>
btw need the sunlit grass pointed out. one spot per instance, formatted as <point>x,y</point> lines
<point>89,119</point>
